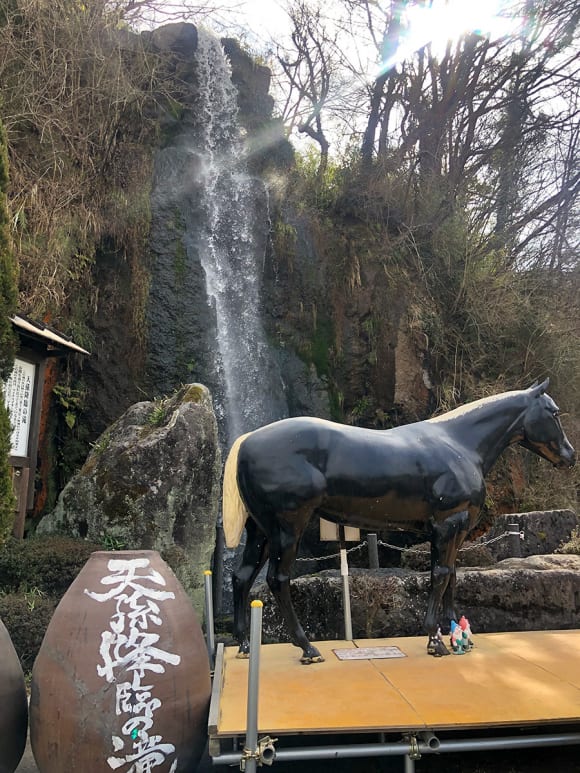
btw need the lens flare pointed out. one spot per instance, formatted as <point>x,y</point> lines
<point>445,21</point>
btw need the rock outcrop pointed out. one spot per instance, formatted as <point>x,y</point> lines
<point>543,532</point>
<point>151,481</point>
<point>533,593</point>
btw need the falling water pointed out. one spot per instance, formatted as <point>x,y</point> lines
<point>210,230</point>
<point>231,245</point>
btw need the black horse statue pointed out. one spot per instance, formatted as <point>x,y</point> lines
<point>426,477</point>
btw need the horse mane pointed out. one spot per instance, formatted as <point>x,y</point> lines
<point>233,509</point>
<point>462,410</point>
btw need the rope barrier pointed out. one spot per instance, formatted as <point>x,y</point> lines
<point>364,543</point>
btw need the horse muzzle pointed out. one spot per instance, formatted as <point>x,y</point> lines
<point>567,458</point>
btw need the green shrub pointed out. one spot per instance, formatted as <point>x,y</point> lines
<point>26,623</point>
<point>8,299</point>
<point>34,576</point>
<point>8,271</point>
<point>573,544</point>
<point>48,563</point>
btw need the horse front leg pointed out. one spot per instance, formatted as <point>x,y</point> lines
<point>283,549</point>
<point>445,541</point>
<point>253,559</point>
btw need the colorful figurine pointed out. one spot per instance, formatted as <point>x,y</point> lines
<point>466,628</point>
<point>456,638</point>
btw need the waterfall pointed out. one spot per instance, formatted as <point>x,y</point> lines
<point>231,245</point>
<point>210,231</point>
<point>209,239</point>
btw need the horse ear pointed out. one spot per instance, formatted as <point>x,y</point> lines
<point>539,389</point>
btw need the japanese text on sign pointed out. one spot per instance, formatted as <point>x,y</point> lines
<point>18,392</point>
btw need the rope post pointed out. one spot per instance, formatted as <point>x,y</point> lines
<point>373,551</point>
<point>345,587</point>
<point>250,754</point>
<point>218,571</point>
<point>209,629</point>
<point>514,540</point>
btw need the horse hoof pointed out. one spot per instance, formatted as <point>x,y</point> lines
<point>307,660</point>
<point>437,648</point>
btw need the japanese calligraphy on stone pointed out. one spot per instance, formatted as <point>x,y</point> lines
<point>131,658</point>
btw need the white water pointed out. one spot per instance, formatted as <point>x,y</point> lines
<point>232,243</point>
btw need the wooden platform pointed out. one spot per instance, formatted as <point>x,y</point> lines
<point>507,680</point>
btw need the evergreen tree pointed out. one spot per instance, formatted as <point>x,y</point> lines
<point>8,299</point>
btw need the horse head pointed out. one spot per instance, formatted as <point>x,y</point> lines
<point>542,430</point>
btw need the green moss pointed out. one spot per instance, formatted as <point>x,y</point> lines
<point>572,547</point>
<point>156,417</point>
<point>194,393</point>
<point>101,445</point>
<point>317,350</point>
<point>180,261</point>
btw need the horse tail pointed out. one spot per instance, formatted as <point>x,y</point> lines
<point>234,511</point>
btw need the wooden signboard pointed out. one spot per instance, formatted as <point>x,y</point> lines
<point>23,398</point>
<point>18,397</point>
<point>330,532</point>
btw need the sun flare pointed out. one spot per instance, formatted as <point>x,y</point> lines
<point>445,21</point>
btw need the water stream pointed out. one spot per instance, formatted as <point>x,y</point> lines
<point>231,245</point>
<point>210,231</point>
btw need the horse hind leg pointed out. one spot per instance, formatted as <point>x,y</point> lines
<point>283,549</point>
<point>253,559</point>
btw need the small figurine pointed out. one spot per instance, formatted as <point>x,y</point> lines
<point>456,638</point>
<point>436,645</point>
<point>466,628</point>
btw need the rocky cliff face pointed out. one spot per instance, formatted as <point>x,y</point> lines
<point>335,306</point>
<point>343,343</point>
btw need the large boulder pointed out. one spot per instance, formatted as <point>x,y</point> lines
<point>151,481</point>
<point>544,531</point>
<point>533,593</point>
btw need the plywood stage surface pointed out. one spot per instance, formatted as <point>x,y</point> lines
<point>507,679</point>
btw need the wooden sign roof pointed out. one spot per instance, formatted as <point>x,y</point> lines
<point>56,343</point>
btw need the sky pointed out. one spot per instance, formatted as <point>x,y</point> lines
<point>256,22</point>
<point>264,18</point>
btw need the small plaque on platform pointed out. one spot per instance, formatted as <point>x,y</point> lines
<point>369,653</point>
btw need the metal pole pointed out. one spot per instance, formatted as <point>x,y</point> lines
<point>398,749</point>
<point>209,630</point>
<point>373,551</point>
<point>218,571</point>
<point>345,591</point>
<point>409,764</point>
<point>251,747</point>
<point>514,540</point>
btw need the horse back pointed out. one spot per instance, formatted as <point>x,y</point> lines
<point>406,472</point>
